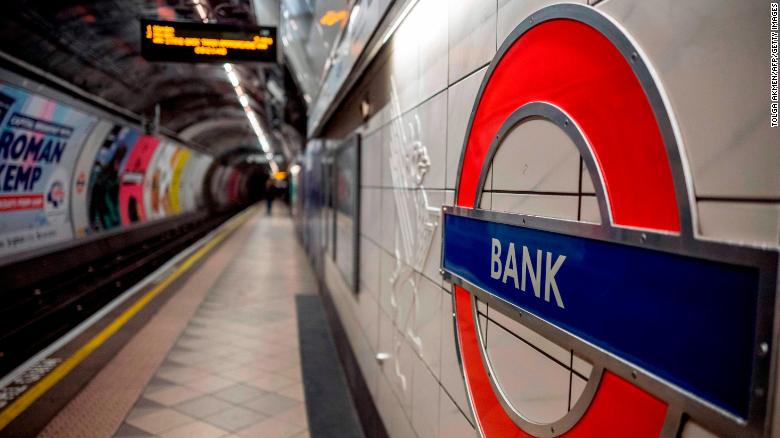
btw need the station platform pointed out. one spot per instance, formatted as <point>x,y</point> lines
<point>210,346</point>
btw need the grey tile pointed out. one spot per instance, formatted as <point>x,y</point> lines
<point>129,431</point>
<point>235,418</point>
<point>159,381</point>
<point>143,407</point>
<point>238,393</point>
<point>271,403</point>
<point>145,403</point>
<point>161,420</point>
<point>203,406</point>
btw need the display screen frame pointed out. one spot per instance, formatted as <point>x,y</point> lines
<point>345,161</point>
<point>189,37</point>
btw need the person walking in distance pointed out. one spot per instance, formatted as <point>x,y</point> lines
<point>269,195</point>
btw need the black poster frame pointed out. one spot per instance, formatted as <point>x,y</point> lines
<point>353,142</point>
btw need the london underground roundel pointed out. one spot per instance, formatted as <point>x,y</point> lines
<point>676,327</point>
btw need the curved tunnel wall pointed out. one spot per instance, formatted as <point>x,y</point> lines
<point>67,173</point>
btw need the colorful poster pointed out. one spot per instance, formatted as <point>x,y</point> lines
<point>178,162</point>
<point>40,141</point>
<point>158,180</point>
<point>192,181</point>
<point>80,189</point>
<point>132,190</point>
<point>104,181</point>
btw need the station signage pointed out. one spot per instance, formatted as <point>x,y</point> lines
<point>178,41</point>
<point>677,328</point>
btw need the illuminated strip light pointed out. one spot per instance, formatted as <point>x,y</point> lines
<point>201,10</point>
<point>398,21</point>
<point>243,99</point>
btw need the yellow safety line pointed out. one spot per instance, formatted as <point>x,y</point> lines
<point>30,396</point>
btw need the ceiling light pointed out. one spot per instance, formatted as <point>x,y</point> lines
<point>243,99</point>
<point>332,17</point>
<point>202,12</point>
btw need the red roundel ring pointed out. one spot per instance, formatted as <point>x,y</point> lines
<point>573,58</point>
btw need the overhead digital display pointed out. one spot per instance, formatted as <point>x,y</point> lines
<point>175,41</point>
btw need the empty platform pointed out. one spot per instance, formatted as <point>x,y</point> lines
<point>214,352</point>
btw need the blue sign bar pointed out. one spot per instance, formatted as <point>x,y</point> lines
<point>687,320</point>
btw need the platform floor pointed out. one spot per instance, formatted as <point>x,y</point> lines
<point>220,358</point>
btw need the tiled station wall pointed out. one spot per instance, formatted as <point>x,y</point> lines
<point>707,57</point>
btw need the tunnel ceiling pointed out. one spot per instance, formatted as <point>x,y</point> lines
<point>95,45</point>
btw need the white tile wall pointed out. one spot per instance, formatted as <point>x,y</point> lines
<point>433,261</point>
<point>385,402</point>
<point>548,347</point>
<point>452,421</point>
<point>472,36</point>
<point>370,258</point>
<point>577,388</point>
<point>386,332</point>
<point>427,323</point>
<point>398,369</point>
<point>406,299</point>
<point>535,385</point>
<point>387,176</point>
<point>371,160</point>
<point>370,205</point>
<point>449,43</point>
<point>388,219</point>
<point>486,201</point>
<point>537,155</point>
<point>387,267</point>
<point>459,105</point>
<point>589,210</point>
<point>582,366</point>
<point>393,415</point>
<point>740,221</point>
<point>587,180</point>
<point>377,120</point>
<point>405,70</point>
<point>431,19</point>
<point>425,402</point>
<point>359,317</point>
<point>451,376</point>
<point>401,379</point>
<point>556,206</point>
<point>367,310</point>
<point>731,147</point>
<point>432,116</point>
<point>366,360</point>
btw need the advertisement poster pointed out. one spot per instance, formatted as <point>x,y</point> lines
<point>80,189</point>
<point>189,175</point>
<point>40,141</point>
<point>131,191</point>
<point>104,181</point>
<point>192,181</point>
<point>179,160</point>
<point>158,180</point>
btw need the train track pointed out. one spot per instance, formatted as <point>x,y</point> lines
<point>39,307</point>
